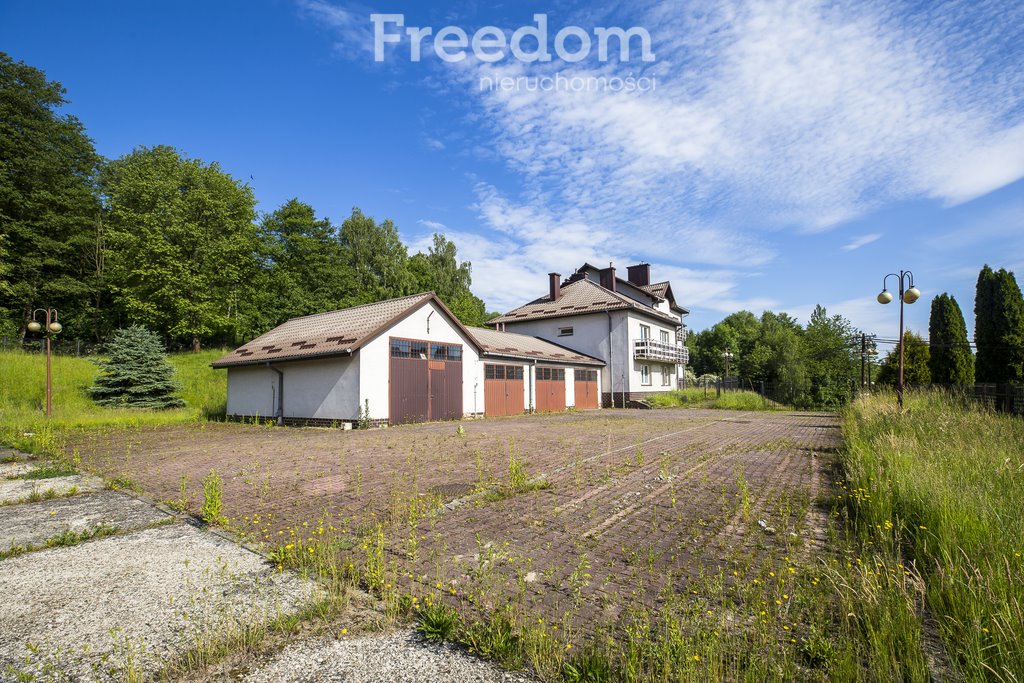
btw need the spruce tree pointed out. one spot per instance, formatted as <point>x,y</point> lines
<point>951,361</point>
<point>137,374</point>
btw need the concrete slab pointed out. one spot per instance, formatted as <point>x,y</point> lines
<point>34,523</point>
<point>14,469</point>
<point>20,490</point>
<point>133,600</point>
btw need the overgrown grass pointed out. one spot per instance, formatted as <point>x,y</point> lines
<point>943,486</point>
<point>23,395</point>
<point>695,397</point>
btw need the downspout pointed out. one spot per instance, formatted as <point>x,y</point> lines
<point>611,368</point>
<point>280,394</point>
<point>428,321</point>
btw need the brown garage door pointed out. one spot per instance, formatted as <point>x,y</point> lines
<point>550,390</point>
<point>426,381</point>
<point>585,386</point>
<point>503,390</point>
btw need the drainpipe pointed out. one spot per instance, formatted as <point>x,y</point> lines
<point>611,369</point>
<point>280,394</point>
<point>428,321</point>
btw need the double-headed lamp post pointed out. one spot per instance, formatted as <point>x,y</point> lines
<point>48,327</point>
<point>727,356</point>
<point>908,293</point>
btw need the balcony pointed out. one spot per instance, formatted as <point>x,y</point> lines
<point>648,349</point>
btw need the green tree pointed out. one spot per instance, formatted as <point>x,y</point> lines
<point>48,209</point>
<point>137,374</point>
<point>950,358</point>
<point>303,262</point>
<point>182,244</point>
<point>778,358</point>
<point>440,271</point>
<point>375,258</point>
<point>999,327</point>
<point>915,362</point>
<point>832,355</point>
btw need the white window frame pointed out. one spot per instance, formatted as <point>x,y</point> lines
<point>645,331</point>
<point>665,337</point>
<point>645,375</point>
<point>666,375</point>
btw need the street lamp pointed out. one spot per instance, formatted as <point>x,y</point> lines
<point>49,327</point>
<point>908,294</point>
<point>727,356</point>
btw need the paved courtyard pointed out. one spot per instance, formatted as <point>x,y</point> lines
<point>633,502</point>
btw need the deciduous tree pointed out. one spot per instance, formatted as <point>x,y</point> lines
<point>915,362</point>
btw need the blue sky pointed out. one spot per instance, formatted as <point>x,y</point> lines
<point>789,153</point>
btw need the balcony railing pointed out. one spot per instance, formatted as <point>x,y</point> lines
<point>648,349</point>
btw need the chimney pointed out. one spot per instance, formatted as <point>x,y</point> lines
<point>554,286</point>
<point>608,277</point>
<point>640,274</point>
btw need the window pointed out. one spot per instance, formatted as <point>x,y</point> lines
<point>664,337</point>
<point>553,374</point>
<point>586,375</point>
<point>503,371</point>
<point>645,331</point>
<point>645,375</point>
<point>451,352</point>
<point>666,376</point>
<point>564,331</point>
<point>404,348</point>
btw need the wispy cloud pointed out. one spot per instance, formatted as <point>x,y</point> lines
<point>433,225</point>
<point>861,241</point>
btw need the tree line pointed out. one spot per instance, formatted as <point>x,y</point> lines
<point>176,244</point>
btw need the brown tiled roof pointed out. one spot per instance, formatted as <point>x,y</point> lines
<point>579,297</point>
<point>497,343</point>
<point>327,334</point>
<point>664,291</point>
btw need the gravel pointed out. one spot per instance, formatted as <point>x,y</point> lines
<point>34,523</point>
<point>134,599</point>
<point>400,657</point>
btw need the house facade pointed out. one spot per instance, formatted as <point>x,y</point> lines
<point>633,325</point>
<point>401,361</point>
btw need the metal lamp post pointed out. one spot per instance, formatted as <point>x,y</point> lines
<point>49,327</point>
<point>908,293</point>
<point>727,356</point>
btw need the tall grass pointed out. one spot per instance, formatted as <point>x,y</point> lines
<point>696,397</point>
<point>943,486</point>
<point>23,396</point>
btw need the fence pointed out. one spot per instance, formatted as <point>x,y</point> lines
<point>59,346</point>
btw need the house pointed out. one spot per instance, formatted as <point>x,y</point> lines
<point>633,325</point>
<point>403,360</point>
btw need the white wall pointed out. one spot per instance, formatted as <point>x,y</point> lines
<point>375,361</point>
<point>635,375</point>
<point>322,388</point>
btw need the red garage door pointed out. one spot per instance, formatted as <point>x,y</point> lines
<point>550,390</point>
<point>503,390</point>
<point>426,381</point>
<point>585,389</point>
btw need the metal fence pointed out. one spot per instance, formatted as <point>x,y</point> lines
<point>59,346</point>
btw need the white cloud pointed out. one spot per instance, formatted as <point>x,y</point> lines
<point>433,225</point>
<point>861,241</point>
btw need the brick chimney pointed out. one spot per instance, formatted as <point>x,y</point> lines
<point>554,286</point>
<point>608,277</point>
<point>640,274</point>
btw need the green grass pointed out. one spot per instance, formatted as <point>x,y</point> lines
<point>47,471</point>
<point>22,397</point>
<point>694,397</point>
<point>942,485</point>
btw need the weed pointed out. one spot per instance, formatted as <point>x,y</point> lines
<point>213,490</point>
<point>437,622</point>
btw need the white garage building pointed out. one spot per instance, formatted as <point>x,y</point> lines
<point>397,361</point>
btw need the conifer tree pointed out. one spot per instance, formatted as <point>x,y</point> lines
<point>999,327</point>
<point>950,359</point>
<point>137,374</point>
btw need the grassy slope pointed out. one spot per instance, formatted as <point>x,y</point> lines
<point>22,395</point>
<point>943,486</point>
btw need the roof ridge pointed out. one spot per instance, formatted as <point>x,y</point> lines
<point>352,308</point>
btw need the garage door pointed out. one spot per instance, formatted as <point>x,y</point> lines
<point>426,381</point>
<point>550,390</point>
<point>503,390</point>
<point>585,386</point>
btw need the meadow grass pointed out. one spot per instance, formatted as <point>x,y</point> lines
<point>23,395</point>
<point>694,397</point>
<point>943,485</point>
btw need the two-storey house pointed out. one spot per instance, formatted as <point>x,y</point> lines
<point>633,325</point>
